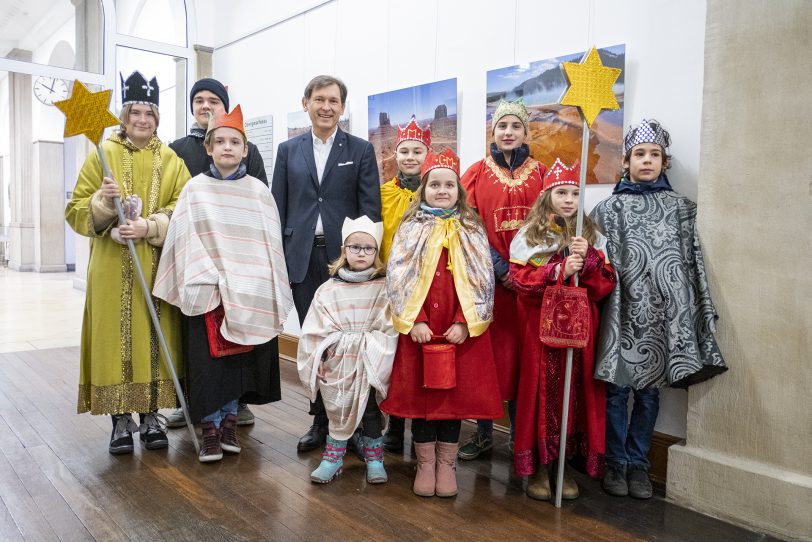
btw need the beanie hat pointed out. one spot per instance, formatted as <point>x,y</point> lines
<point>212,85</point>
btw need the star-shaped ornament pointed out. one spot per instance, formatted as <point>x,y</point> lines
<point>86,112</point>
<point>590,86</point>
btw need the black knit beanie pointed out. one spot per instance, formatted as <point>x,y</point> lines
<point>212,85</point>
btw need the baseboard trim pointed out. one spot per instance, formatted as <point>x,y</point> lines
<point>658,458</point>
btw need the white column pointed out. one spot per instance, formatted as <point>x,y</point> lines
<point>49,211</point>
<point>21,228</point>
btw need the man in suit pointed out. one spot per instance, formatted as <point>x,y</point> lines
<point>320,178</point>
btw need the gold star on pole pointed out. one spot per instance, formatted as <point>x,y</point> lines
<point>86,112</point>
<point>590,86</point>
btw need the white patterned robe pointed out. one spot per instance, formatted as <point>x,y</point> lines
<point>349,325</point>
<point>224,245</point>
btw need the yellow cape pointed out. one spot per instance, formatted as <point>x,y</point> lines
<point>394,202</point>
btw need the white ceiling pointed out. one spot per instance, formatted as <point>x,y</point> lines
<point>26,24</point>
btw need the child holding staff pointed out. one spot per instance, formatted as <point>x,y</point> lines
<point>543,249</point>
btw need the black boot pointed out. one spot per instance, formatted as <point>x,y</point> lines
<point>639,482</point>
<point>614,483</point>
<point>393,439</point>
<point>121,439</point>
<point>153,431</point>
<point>314,438</point>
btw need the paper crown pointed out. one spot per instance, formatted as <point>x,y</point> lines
<point>649,131</point>
<point>362,224</point>
<point>562,174</point>
<point>446,159</point>
<point>227,120</point>
<point>413,132</point>
<point>137,90</point>
<point>506,108</point>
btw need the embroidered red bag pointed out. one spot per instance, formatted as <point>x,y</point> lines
<point>564,319</point>
<point>219,346</point>
<point>439,365</point>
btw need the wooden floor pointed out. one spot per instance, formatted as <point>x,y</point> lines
<point>57,482</point>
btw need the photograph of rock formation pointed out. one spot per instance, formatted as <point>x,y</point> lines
<point>433,104</point>
<point>555,130</point>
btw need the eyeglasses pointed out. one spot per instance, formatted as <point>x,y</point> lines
<point>356,249</point>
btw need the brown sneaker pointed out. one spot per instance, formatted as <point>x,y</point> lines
<point>228,435</point>
<point>211,450</point>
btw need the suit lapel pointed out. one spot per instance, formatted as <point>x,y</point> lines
<point>339,143</point>
<point>306,144</point>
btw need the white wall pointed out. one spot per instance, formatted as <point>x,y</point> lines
<point>380,45</point>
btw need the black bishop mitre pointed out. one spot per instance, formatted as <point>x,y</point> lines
<point>137,90</point>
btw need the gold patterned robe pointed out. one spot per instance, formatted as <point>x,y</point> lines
<point>121,368</point>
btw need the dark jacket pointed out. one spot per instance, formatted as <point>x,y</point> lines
<point>350,187</point>
<point>191,150</point>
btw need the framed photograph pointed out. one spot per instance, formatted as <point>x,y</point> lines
<point>555,130</point>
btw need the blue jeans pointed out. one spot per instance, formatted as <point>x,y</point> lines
<point>628,441</point>
<point>219,415</point>
<point>485,427</point>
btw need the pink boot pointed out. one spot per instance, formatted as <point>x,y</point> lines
<point>446,485</point>
<point>424,479</point>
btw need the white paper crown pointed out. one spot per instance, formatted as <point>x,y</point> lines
<point>362,224</point>
<point>649,131</point>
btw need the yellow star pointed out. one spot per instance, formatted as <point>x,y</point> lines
<point>86,112</point>
<point>590,86</point>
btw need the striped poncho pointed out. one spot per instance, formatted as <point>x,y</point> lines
<point>349,327</point>
<point>224,245</point>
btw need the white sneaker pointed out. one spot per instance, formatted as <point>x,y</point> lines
<point>176,419</point>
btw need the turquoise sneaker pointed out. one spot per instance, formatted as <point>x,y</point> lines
<point>373,455</point>
<point>331,461</point>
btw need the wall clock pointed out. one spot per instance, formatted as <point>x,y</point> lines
<point>50,89</point>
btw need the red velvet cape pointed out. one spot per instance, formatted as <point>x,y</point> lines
<point>541,375</point>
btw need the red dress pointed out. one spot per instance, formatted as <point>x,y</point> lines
<point>476,394</point>
<point>541,379</point>
<point>503,200</point>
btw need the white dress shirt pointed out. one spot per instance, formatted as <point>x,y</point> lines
<point>321,151</point>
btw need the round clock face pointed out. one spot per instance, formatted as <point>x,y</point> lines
<point>50,89</point>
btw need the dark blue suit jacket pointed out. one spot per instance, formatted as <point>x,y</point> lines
<point>350,187</point>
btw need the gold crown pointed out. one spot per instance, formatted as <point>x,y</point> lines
<point>511,108</point>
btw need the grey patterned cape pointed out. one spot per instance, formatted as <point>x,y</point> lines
<point>657,325</point>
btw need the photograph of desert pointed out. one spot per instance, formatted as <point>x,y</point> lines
<point>555,130</point>
<point>432,104</point>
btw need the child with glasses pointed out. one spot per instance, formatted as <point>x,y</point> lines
<point>346,350</point>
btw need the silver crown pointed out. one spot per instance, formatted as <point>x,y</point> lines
<point>649,131</point>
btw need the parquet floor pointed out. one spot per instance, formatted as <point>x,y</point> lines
<point>57,482</point>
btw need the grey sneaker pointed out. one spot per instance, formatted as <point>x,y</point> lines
<point>176,419</point>
<point>244,416</point>
<point>614,482</point>
<point>639,483</point>
<point>478,444</point>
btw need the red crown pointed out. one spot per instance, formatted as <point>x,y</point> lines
<point>414,132</point>
<point>230,120</point>
<point>560,174</point>
<point>446,159</point>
